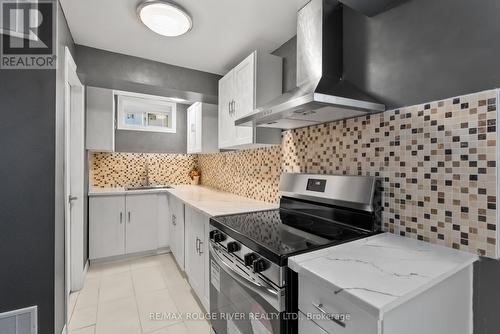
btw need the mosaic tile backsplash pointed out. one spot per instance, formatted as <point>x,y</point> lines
<point>437,163</point>
<point>108,170</point>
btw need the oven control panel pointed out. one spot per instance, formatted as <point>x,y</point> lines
<point>254,262</point>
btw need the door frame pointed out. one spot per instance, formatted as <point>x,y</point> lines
<point>74,169</point>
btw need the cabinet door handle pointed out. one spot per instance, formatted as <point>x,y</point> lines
<point>200,243</point>
<point>319,307</point>
<point>197,246</point>
<point>234,106</point>
<point>229,107</point>
<point>121,217</point>
<point>129,217</point>
<point>174,218</point>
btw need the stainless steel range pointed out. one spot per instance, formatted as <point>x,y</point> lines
<point>251,288</point>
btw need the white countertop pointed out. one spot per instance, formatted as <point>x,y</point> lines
<point>122,191</point>
<point>217,203</point>
<point>383,271</point>
<point>207,200</point>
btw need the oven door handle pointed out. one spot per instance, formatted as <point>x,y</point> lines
<point>264,290</point>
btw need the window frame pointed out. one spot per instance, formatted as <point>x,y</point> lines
<point>156,102</point>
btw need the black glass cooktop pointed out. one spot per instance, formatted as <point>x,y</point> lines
<point>278,234</point>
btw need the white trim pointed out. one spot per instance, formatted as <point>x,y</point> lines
<point>155,101</point>
<point>65,329</point>
<point>74,118</point>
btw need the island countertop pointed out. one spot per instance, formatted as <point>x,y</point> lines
<point>380,272</point>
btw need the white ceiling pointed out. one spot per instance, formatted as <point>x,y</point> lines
<point>224,31</point>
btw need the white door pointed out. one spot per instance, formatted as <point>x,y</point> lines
<point>74,161</point>
<point>172,242</point>
<point>142,223</point>
<point>191,129</point>
<point>106,226</point>
<point>198,127</point>
<point>244,79</point>
<point>163,221</point>
<point>227,130</point>
<point>177,232</point>
<point>190,244</point>
<point>194,128</point>
<point>195,264</point>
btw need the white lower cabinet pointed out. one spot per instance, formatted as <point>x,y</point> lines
<point>196,248</point>
<point>106,226</point>
<point>445,308</point>
<point>163,221</point>
<point>314,300</point>
<point>142,223</point>
<point>122,224</point>
<point>177,229</point>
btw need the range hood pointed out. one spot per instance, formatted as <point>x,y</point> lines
<point>322,95</point>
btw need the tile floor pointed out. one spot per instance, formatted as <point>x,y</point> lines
<point>119,296</point>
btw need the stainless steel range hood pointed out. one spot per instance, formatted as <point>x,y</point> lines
<point>321,94</point>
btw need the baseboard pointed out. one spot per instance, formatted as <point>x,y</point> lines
<point>131,256</point>
<point>163,250</point>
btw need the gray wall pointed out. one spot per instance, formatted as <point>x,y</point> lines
<point>424,50</point>
<point>64,39</point>
<point>155,142</point>
<point>105,69</point>
<point>27,142</point>
<point>288,52</point>
<point>32,196</point>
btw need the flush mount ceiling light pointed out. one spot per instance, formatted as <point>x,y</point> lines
<point>165,17</point>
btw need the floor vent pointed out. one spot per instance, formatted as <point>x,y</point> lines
<point>22,321</point>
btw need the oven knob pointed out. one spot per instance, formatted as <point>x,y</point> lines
<point>260,265</point>
<point>233,246</point>
<point>249,258</point>
<point>219,237</point>
<point>212,233</point>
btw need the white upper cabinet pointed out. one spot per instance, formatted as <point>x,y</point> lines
<point>226,131</point>
<point>202,128</point>
<point>100,119</point>
<point>252,83</point>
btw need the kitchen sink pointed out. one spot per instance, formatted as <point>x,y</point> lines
<point>148,187</point>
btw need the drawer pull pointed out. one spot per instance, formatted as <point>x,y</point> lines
<point>319,307</point>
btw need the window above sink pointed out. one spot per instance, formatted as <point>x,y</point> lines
<point>145,113</point>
